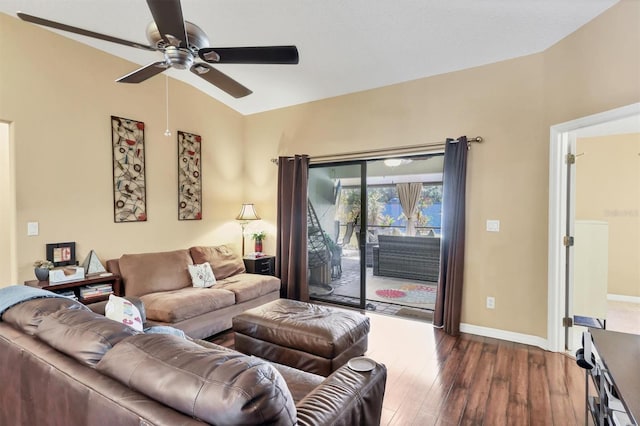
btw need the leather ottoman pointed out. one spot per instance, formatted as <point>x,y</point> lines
<point>312,338</point>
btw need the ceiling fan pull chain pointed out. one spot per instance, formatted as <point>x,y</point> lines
<point>167,132</point>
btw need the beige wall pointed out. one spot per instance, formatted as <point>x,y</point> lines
<point>608,189</point>
<point>511,104</point>
<point>58,101</point>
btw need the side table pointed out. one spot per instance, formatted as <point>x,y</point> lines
<point>264,265</point>
<point>75,286</point>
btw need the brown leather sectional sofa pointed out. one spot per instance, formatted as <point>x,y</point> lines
<point>62,364</point>
<point>162,281</point>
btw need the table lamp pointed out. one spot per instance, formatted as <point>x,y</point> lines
<point>247,213</point>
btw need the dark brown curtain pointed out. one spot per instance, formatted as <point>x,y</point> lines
<point>449,300</point>
<point>291,244</point>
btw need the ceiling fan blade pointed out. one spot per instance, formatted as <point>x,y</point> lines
<point>76,30</point>
<point>141,74</point>
<point>168,17</point>
<point>250,55</point>
<point>220,80</point>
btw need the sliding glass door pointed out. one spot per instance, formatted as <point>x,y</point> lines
<point>374,233</point>
<point>336,217</point>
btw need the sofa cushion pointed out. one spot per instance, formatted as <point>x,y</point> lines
<point>216,386</point>
<point>223,260</point>
<point>178,305</point>
<point>150,272</point>
<point>249,286</point>
<point>82,334</point>
<point>27,316</point>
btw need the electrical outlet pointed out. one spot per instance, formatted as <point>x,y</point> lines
<point>491,302</point>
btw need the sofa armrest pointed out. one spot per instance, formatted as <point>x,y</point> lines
<point>346,397</point>
<point>113,266</point>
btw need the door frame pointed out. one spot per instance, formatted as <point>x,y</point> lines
<point>561,136</point>
<point>8,213</point>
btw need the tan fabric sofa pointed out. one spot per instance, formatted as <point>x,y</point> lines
<point>62,364</point>
<point>163,283</point>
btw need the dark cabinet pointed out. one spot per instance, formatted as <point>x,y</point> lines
<point>265,265</point>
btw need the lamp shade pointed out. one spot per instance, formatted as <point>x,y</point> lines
<point>247,212</point>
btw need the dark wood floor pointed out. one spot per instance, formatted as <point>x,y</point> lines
<point>436,379</point>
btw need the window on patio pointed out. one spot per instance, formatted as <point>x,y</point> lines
<point>385,216</point>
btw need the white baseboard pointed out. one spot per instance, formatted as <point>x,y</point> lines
<point>510,336</point>
<point>623,298</point>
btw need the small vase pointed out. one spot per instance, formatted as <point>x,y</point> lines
<point>258,246</point>
<point>42,274</point>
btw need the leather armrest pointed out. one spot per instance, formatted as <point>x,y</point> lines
<point>346,397</point>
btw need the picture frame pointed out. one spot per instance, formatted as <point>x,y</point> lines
<point>62,254</point>
<point>189,176</point>
<point>129,170</point>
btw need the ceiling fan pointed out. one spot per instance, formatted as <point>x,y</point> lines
<point>182,42</point>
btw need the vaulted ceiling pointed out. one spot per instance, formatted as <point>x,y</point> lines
<point>344,46</point>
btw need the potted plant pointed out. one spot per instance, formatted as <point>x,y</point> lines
<point>258,237</point>
<point>41,269</point>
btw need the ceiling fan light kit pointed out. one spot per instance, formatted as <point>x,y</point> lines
<point>181,43</point>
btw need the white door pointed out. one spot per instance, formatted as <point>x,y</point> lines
<point>590,270</point>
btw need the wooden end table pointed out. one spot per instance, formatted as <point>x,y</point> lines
<point>112,279</point>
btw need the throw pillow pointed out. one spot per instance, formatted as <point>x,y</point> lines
<point>121,310</point>
<point>202,275</point>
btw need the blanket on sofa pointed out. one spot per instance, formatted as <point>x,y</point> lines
<point>14,294</point>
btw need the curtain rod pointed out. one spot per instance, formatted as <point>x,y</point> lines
<point>385,152</point>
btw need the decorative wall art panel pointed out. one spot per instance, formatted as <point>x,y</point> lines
<point>129,190</point>
<point>189,177</point>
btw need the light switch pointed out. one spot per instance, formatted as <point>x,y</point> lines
<point>493,225</point>
<point>32,229</point>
